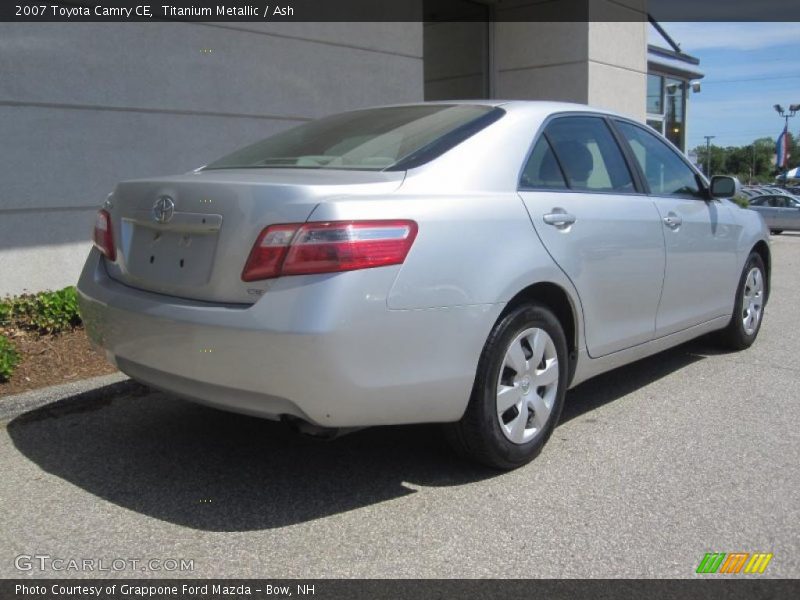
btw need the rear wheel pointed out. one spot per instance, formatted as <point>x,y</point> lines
<point>518,392</point>
<point>748,311</point>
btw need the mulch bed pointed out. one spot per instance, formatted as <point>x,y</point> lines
<point>52,359</point>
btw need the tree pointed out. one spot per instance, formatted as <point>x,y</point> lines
<point>753,163</point>
<point>711,158</point>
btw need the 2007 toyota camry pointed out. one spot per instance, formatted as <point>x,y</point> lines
<point>463,263</point>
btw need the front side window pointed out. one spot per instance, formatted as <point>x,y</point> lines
<point>666,173</point>
<point>372,139</point>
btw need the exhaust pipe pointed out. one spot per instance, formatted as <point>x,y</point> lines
<point>318,432</point>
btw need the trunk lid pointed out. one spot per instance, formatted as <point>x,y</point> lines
<point>189,235</point>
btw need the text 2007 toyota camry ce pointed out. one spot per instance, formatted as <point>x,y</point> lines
<point>463,263</point>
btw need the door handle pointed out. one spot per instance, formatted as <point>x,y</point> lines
<point>559,218</point>
<point>672,220</point>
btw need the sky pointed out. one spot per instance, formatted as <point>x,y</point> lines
<point>748,68</point>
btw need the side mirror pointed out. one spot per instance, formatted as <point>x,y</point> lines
<point>724,186</point>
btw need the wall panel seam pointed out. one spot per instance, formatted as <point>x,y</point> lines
<point>309,40</point>
<point>148,110</point>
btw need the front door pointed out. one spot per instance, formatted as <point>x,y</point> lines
<point>700,235</point>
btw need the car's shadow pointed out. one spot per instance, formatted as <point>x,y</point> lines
<point>618,383</point>
<point>211,470</point>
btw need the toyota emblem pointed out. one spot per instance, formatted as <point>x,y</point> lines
<point>163,209</point>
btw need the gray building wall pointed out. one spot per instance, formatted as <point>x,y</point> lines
<point>597,63</point>
<point>456,60</point>
<point>603,64</point>
<point>86,105</point>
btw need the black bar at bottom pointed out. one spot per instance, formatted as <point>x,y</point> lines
<point>419,589</point>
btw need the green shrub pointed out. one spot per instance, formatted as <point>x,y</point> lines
<point>45,312</point>
<point>741,201</point>
<point>5,313</point>
<point>9,358</point>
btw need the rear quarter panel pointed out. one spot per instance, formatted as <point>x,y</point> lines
<point>470,248</point>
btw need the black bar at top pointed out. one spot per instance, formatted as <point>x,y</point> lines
<point>400,10</point>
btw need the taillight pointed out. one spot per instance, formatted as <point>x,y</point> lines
<point>268,252</point>
<point>303,249</point>
<point>104,236</point>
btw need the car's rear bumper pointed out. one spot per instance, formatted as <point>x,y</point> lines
<point>323,348</point>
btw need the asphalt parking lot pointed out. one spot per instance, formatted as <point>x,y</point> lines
<point>690,451</point>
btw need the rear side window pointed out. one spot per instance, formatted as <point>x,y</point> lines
<point>542,169</point>
<point>783,202</point>
<point>579,153</point>
<point>666,173</point>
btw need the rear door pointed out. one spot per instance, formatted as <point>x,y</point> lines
<point>770,212</point>
<point>604,234</point>
<point>762,205</point>
<point>701,235</point>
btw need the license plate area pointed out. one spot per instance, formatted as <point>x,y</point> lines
<point>172,258</point>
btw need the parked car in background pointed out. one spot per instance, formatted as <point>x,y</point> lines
<point>758,190</point>
<point>781,212</point>
<point>462,263</point>
<point>772,189</point>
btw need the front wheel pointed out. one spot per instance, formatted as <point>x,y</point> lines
<point>748,310</point>
<point>518,392</point>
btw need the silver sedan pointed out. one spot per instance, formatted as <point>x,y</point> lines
<point>462,263</point>
<point>780,211</point>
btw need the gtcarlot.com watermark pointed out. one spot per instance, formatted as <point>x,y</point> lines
<point>45,562</point>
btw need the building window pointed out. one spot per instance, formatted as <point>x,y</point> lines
<point>674,110</point>
<point>657,124</point>
<point>666,107</point>
<point>655,94</point>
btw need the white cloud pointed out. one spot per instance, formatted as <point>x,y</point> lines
<point>738,36</point>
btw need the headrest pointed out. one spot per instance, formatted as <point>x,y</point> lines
<point>576,159</point>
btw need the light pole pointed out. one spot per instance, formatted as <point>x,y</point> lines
<point>708,154</point>
<point>793,109</point>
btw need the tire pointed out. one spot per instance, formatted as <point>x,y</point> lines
<point>748,314</point>
<point>776,231</point>
<point>533,410</point>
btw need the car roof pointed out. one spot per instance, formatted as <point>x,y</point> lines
<point>540,107</point>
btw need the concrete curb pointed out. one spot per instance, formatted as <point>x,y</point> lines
<point>13,406</point>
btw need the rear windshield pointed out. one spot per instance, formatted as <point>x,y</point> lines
<point>375,139</point>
